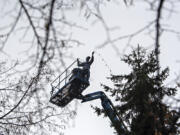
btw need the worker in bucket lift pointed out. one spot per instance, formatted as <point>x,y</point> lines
<point>86,65</point>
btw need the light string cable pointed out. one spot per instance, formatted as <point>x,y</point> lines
<point>104,61</point>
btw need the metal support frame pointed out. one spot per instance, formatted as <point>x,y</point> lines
<point>108,108</point>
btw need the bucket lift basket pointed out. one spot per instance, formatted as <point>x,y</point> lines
<point>68,85</point>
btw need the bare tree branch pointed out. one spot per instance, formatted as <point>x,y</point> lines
<point>158,28</point>
<point>30,85</point>
<point>48,25</point>
<point>31,23</point>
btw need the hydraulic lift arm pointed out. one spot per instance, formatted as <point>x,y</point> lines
<point>108,108</point>
<point>70,85</point>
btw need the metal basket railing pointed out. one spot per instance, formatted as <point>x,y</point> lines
<point>63,78</point>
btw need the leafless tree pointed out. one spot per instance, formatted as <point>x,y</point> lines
<point>39,26</point>
<point>155,28</point>
<point>42,31</point>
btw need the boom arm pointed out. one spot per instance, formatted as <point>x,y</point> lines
<point>108,108</point>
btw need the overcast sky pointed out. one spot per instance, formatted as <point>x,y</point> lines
<point>126,20</point>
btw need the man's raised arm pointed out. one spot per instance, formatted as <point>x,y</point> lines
<point>92,58</point>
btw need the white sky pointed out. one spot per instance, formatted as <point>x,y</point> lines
<point>128,20</point>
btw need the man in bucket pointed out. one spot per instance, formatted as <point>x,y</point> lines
<point>86,66</point>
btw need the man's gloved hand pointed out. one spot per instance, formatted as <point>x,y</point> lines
<point>93,53</point>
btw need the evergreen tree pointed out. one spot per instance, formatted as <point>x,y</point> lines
<point>140,97</point>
